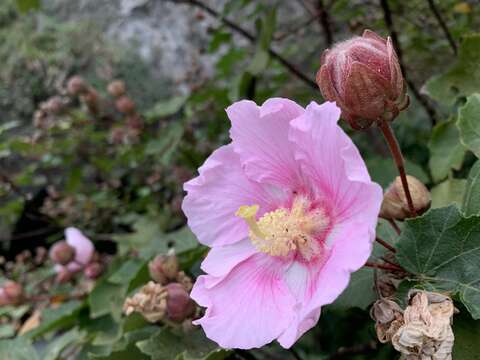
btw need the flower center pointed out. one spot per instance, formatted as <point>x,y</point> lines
<point>281,231</point>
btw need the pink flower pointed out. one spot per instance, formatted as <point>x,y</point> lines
<point>83,250</point>
<point>290,211</point>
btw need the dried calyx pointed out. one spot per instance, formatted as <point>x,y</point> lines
<point>422,331</point>
<point>395,205</point>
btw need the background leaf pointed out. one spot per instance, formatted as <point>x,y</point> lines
<point>471,200</point>
<point>469,123</point>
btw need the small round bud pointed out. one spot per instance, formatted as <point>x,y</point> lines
<point>93,270</point>
<point>11,293</point>
<point>62,253</point>
<point>363,76</point>
<point>116,88</point>
<point>179,304</point>
<point>163,268</point>
<point>76,85</point>
<point>125,105</point>
<point>54,105</point>
<point>395,205</point>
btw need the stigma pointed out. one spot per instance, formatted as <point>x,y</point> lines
<point>283,231</point>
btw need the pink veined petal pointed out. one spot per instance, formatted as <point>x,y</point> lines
<point>248,308</point>
<point>260,136</point>
<point>83,248</point>
<point>333,163</point>
<point>215,195</point>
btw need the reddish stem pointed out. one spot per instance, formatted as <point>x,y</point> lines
<point>383,266</point>
<point>395,226</point>
<point>398,158</point>
<point>385,244</point>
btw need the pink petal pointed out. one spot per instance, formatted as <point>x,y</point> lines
<point>216,194</point>
<point>260,137</point>
<point>83,248</point>
<point>248,308</point>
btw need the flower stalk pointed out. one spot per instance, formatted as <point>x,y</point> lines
<point>399,161</point>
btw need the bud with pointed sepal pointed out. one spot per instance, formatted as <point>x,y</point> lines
<point>363,76</point>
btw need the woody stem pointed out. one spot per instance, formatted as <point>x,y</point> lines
<point>398,158</point>
<point>383,266</point>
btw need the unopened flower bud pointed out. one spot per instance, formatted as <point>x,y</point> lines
<point>116,88</point>
<point>54,105</point>
<point>179,304</point>
<point>11,293</point>
<point>363,76</point>
<point>93,270</point>
<point>90,98</point>
<point>163,268</point>
<point>125,105</point>
<point>62,253</point>
<point>76,85</point>
<point>395,205</point>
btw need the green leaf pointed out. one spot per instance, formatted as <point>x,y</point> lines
<point>58,318</point>
<point>56,346</point>
<point>466,332</point>
<point>17,349</point>
<point>27,5</point>
<point>167,345</point>
<point>127,271</point>
<point>469,124</point>
<point>442,249</point>
<point>447,152</point>
<point>165,146</point>
<point>383,170</point>
<point>448,192</point>
<point>259,62</point>
<point>359,293</point>
<point>107,298</point>
<point>165,108</point>
<point>463,78</point>
<point>471,200</point>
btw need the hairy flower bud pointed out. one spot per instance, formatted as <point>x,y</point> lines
<point>179,304</point>
<point>163,268</point>
<point>116,88</point>
<point>125,105</point>
<point>62,253</point>
<point>11,293</point>
<point>395,205</point>
<point>363,76</point>
<point>76,85</point>
<point>93,270</point>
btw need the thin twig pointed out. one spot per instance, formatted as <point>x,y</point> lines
<point>385,244</point>
<point>387,267</point>
<point>394,226</point>
<point>5,179</point>
<point>443,25</point>
<point>325,22</point>
<point>398,158</point>
<point>387,15</point>
<point>296,29</point>
<point>247,35</point>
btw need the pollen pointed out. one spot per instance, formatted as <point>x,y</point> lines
<point>282,231</point>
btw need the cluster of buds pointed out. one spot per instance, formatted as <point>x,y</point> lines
<point>75,254</point>
<point>422,331</point>
<point>167,296</point>
<point>11,293</point>
<point>46,116</point>
<point>363,76</point>
<point>156,302</point>
<point>395,205</point>
<point>164,270</point>
<point>78,87</point>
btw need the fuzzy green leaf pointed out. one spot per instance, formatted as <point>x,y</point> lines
<point>448,192</point>
<point>442,249</point>
<point>469,124</point>
<point>471,200</point>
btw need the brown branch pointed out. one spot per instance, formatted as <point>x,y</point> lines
<point>247,35</point>
<point>394,226</point>
<point>387,16</point>
<point>443,25</point>
<point>6,180</point>
<point>296,29</point>
<point>325,22</point>
<point>387,267</point>
<point>385,244</point>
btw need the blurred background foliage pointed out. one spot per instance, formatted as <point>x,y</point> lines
<point>115,169</point>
